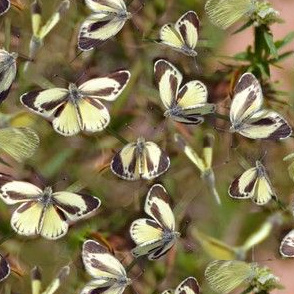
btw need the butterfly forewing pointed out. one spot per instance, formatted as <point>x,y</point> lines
<point>188,286</point>
<point>106,5</point>
<point>170,36</point>
<point>287,245</point>
<point>4,6</point>
<point>188,27</point>
<point>4,268</point>
<point>168,78</point>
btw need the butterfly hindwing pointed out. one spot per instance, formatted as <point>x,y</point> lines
<point>287,245</point>
<point>188,286</point>
<point>4,6</point>
<point>247,117</point>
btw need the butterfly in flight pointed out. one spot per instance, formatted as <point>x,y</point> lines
<point>155,236</point>
<point>140,160</point>
<point>7,72</point>
<point>186,104</point>
<point>109,275</point>
<point>44,212</point>
<point>188,286</point>
<point>108,18</point>
<point>183,35</point>
<point>287,245</point>
<point>254,183</point>
<point>247,116</point>
<point>78,108</point>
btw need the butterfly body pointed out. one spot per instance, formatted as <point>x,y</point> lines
<point>247,116</point>
<point>44,212</point>
<point>108,273</point>
<point>183,35</point>
<point>78,108</point>
<point>155,236</point>
<point>7,72</point>
<point>140,160</point>
<point>186,104</point>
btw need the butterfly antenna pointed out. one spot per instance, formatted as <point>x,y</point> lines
<point>59,181</point>
<point>196,65</point>
<point>76,57</point>
<point>60,78</point>
<point>80,77</point>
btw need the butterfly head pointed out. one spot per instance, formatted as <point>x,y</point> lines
<point>260,169</point>
<point>173,111</point>
<point>140,144</point>
<point>188,51</point>
<point>170,236</point>
<point>46,196</point>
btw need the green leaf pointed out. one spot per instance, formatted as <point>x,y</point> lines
<point>243,27</point>
<point>286,40</point>
<point>270,43</point>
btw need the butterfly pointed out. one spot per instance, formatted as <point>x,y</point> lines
<point>7,72</point>
<point>140,160</point>
<point>188,286</point>
<point>107,20</point>
<point>41,31</point>
<point>45,213</point>
<point>20,143</point>
<point>254,183</point>
<point>186,104</point>
<point>4,6</point>
<point>247,117</point>
<point>155,236</point>
<point>204,162</point>
<point>36,281</point>
<point>224,276</point>
<point>183,35</point>
<point>78,108</point>
<point>4,268</point>
<point>287,245</point>
<point>109,275</point>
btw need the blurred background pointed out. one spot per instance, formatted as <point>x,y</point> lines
<point>82,161</point>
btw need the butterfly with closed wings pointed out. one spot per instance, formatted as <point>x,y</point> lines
<point>7,72</point>
<point>188,286</point>
<point>78,108</point>
<point>247,116</point>
<point>45,213</point>
<point>140,160</point>
<point>183,35</point>
<point>156,236</point>
<point>254,183</point>
<point>107,20</point>
<point>186,104</point>
<point>109,275</point>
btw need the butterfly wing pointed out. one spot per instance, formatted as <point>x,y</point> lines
<point>225,276</point>
<point>4,268</point>
<point>125,163</point>
<point>266,124</point>
<point>154,161</point>
<point>112,6</point>
<point>100,286</point>
<point>4,6</point>
<point>168,80</point>
<point>188,286</point>
<point>169,36</point>
<point>243,186</point>
<point>223,13</point>
<point>188,27</point>
<point>287,245</point>
<point>7,72</point>
<point>20,143</point>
